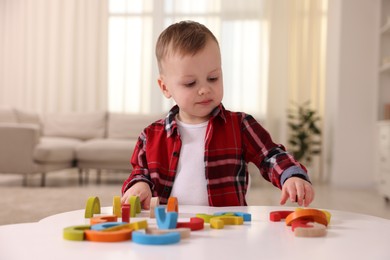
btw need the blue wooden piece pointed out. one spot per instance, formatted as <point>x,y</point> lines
<point>101,226</point>
<point>149,239</point>
<point>165,220</point>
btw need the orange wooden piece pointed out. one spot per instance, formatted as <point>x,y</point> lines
<point>113,236</point>
<point>102,219</point>
<point>312,215</point>
<point>172,205</point>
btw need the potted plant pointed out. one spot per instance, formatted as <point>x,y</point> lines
<point>305,134</point>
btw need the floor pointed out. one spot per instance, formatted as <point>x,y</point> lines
<point>63,193</point>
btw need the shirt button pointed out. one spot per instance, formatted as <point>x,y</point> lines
<point>176,154</point>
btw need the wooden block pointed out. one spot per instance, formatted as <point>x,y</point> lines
<point>312,215</point>
<point>226,220</point>
<point>205,217</point>
<point>113,236</point>
<point>92,207</point>
<point>102,219</point>
<point>165,220</point>
<point>173,205</point>
<point>125,213</point>
<point>194,224</point>
<point>143,224</point>
<point>116,206</point>
<point>149,239</point>
<point>135,206</point>
<point>75,233</point>
<point>327,214</point>
<point>154,202</point>
<point>276,216</point>
<point>106,225</point>
<point>244,215</point>
<point>184,232</point>
<point>308,229</point>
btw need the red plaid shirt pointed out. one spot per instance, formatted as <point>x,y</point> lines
<point>232,140</point>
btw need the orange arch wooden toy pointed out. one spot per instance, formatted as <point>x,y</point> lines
<point>312,215</point>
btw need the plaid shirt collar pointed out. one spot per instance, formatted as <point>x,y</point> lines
<point>170,119</point>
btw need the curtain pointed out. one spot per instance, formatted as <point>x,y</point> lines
<point>53,55</point>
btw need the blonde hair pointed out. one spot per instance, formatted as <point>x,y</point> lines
<point>184,38</point>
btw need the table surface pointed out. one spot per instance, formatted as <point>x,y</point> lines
<point>349,236</point>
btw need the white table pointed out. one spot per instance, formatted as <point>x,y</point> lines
<point>349,236</point>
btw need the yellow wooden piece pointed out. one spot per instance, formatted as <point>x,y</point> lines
<point>75,233</point>
<point>184,232</point>
<point>154,202</point>
<point>92,207</point>
<point>135,206</point>
<point>217,223</point>
<point>205,217</point>
<point>116,206</point>
<point>143,224</point>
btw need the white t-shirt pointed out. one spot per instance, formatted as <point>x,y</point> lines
<point>190,185</point>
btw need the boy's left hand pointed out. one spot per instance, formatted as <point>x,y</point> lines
<point>298,190</point>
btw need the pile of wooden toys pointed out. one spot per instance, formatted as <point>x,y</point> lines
<point>304,222</point>
<point>169,230</point>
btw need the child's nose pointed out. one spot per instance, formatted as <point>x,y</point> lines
<point>204,89</point>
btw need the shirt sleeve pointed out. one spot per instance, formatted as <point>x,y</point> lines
<point>274,162</point>
<point>140,170</point>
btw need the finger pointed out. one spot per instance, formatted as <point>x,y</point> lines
<point>300,189</point>
<point>146,204</point>
<point>293,194</point>
<point>283,197</point>
<point>309,194</point>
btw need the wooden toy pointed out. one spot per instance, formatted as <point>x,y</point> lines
<point>102,219</point>
<point>92,207</point>
<point>143,224</point>
<point>165,220</point>
<point>244,215</point>
<point>220,221</point>
<point>327,214</point>
<point>308,229</point>
<point>194,224</point>
<point>154,202</point>
<point>116,206</point>
<point>276,216</point>
<point>125,213</point>
<point>150,239</point>
<point>184,232</point>
<point>113,236</point>
<point>135,206</point>
<point>312,215</point>
<point>75,233</point>
<point>172,205</point>
<point>205,217</point>
<point>106,225</point>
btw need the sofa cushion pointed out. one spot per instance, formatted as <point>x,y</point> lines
<point>106,150</point>
<point>8,115</point>
<point>56,149</point>
<point>83,126</point>
<point>129,126</point>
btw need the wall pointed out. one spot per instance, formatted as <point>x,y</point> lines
<point>351,83</point>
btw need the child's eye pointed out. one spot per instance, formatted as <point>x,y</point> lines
<point>213,79</point>
<point>190,84</point>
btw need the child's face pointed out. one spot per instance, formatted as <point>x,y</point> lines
<point>194,82</point>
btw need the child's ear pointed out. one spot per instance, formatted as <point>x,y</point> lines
<point>163,87</point>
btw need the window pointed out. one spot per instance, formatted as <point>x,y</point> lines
<point>134,26</point>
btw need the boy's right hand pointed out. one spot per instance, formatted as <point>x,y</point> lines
<point>140,189</point>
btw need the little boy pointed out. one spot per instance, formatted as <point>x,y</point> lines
<point>199,152</point>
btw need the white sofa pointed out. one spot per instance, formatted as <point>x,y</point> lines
<point>32,143</point>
